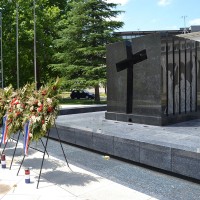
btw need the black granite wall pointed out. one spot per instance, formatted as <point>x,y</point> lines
<point>164,87</point>
<point>147,77</point>
<point>117,81</point>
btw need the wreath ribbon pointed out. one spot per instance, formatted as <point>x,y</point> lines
<point>4,130</point>
<point>26,136</point>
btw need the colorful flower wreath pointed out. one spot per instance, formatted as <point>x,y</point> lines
<point>16,109</point>
<point>42,109</point>
<point>27,106</point>
<point>5,98</point>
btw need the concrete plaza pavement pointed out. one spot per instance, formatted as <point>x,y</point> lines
<point>92,178</point>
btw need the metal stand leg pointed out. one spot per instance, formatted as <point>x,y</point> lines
<point>5,147</point>
<point>44,153</point>
<point>15,150</point>
<point>21,165</point>
<point>45,148</point>
<point>62,148</point>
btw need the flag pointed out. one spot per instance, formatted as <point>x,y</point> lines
<point>4,130</point>
<point>26,136</point>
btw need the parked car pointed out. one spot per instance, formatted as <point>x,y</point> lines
<point>79,94</point>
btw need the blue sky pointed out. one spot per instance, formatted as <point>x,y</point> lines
<point>158,14</point>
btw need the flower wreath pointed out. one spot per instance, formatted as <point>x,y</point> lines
<point>42,109</point>
<point>5,98</point>
<point>16,109</point>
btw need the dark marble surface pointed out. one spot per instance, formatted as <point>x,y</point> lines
<point>155,156</point>
<point>103,143</point>
<point>186,163</point>
<point>150,182</point>
<point>83,138</point>
<point>175,148</point>
<point>147,77</point>
<point>128,149</point>
<point>164,87</point>
<point>116,81</point>
<point>186,135</point>
<point>96,108</point>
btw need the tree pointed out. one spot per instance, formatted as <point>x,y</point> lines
<point>48,13</point>
<point>83,35</point>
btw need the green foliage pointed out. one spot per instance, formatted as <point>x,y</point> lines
<point>48,13</point>
<point>5,98</point>
<point>72,34</point>
<point>81,46</point>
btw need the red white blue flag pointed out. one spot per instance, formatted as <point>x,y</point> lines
<point>4,130</point>
<point>26,136</point>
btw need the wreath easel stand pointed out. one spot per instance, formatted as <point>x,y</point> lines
<point>44,153</point>
<point>17,140</point>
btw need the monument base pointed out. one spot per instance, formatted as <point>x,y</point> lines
<point>173,148</point>
<point>152,120</point>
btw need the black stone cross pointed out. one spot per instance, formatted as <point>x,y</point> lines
<point>128,64</point>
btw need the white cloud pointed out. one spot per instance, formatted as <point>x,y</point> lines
<point>195,21</point>
<point>164,2</point>
<point>121,2</point>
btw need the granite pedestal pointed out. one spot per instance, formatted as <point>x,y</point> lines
<point>174,148</point>
<point>159,90</point>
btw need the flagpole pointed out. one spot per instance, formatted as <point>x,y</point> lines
<point>35,67</point>
<point>1,34</point>
<point>17,42</point>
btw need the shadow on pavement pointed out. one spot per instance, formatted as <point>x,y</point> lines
<point>68,178</point>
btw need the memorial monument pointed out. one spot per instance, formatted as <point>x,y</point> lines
<point>154,79</point>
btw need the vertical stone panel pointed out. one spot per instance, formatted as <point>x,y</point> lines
<point>176,75</point>
<point>170,76</point>
<point>182,75</point>
<point>147,76</point>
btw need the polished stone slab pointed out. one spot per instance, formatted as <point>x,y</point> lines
<point>155,155</point>
<point>186,163</point>
<point>128,149</point>
<point>74,109</point>
<point>174,148</point>
<point>93,177</point>
<point>153,79</point>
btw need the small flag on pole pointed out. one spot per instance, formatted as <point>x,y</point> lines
<point>3,161</point>
<point>27,175</point>
<point>26,136</point>
<point>4,130</point>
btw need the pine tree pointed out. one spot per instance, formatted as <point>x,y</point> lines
<point>81,45</point>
